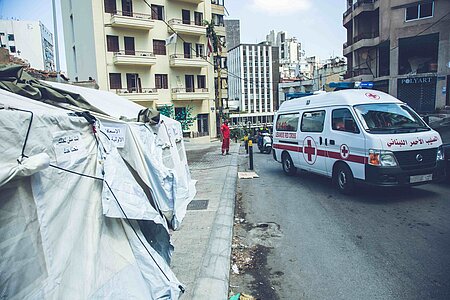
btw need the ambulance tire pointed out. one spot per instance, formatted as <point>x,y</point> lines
<point>343,178</point>
<point>288,165</point>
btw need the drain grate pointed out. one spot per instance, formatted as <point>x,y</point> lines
<point>198,205</point>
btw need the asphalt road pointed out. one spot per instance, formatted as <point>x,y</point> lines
<point>377,244</point>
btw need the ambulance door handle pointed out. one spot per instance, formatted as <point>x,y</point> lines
<point>320,140</point>
<point>332,142</point>
<point>326,142</point>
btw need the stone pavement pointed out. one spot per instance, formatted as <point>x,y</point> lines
<point>201,260</point>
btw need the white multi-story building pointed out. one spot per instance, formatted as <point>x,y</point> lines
<point>252,83</point>
<point>290,53</point>
<point>122,45</point>
<point>30,41</point>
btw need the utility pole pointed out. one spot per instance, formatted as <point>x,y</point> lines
<point>55,35</point>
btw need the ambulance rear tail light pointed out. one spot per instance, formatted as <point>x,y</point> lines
<point>382,158</point>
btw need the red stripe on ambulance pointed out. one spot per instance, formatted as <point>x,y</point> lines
<point>336,155</point>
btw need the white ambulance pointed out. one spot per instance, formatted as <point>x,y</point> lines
<point>357,135</point>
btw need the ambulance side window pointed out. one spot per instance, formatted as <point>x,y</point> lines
<point>313,121</point>
<point>287,122</point>
<point>342,120</point>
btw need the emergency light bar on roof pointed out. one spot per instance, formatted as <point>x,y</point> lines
<point>351,85</point>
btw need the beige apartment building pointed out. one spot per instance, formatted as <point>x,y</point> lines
<point>403,47</point>
<point>151,52</point>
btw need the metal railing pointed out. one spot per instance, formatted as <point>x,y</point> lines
<point>186,22</point>
<point>188,56</point>
<point>134,53</point>
<point>189,90</point>
<point>218,2</point>
<point>361,2</point>
<point>357,4</point>
<point>348,11</point>
<point>137,91</point>
<point>132,15</point>
<point>361,71</point>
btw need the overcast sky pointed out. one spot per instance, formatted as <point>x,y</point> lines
<point>316,24</point>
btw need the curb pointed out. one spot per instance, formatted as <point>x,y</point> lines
<point>215,270</point>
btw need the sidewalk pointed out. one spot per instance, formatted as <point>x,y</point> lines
<point>201,260</point>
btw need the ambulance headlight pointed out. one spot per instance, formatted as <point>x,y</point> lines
<point>382,158</point>
<point>440,154</point>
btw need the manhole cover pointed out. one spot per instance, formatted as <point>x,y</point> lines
<point>198,205</point>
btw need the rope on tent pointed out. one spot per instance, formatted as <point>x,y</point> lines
<point>92,122</point>
<point>22,155</point>
<point>182,289</point>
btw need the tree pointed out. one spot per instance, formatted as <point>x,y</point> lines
<point>167,110</point>
<point>211,34</point>
<point>184,116</point>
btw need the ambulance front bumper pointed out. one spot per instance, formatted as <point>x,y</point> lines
<point>396,176</point>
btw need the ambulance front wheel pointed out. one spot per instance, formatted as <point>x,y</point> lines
<point>288,165</point>
<point>343,178</point>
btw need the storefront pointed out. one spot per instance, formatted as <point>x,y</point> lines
<point>419,92</point>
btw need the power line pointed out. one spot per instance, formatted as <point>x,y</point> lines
<point>249,81</point>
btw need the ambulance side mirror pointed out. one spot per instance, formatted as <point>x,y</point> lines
<point>426,119</point>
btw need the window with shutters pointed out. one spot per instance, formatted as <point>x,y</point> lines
<point>112,43</point>
<point>159,47</point>
<point>157,12</point>
<point>161,81</point>
<point>110,6</point>
<point>201,81</point>
<point>115,81</point>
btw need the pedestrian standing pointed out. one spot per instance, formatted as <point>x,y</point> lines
<point>225,137</point>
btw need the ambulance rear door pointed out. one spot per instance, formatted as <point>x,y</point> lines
<point>312,140</point>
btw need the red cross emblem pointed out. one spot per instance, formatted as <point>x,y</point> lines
<point>372,96</point>
<point>309,150</point>
<point>345,152</point>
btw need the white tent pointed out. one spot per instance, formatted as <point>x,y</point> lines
<point>156,153</point>
<point>73,218</point>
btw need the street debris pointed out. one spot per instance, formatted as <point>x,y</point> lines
<point>240,296</point>
<point>247,175</point>
<point>235,269</point>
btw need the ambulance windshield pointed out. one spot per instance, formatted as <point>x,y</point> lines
<point>389,118</point>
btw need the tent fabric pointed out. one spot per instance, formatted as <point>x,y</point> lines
<point>27,167</point>
<point>162,166</point>
<point>107,102</point>
<point>56,240</point>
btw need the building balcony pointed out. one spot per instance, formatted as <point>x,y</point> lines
<point>187,61</point>
<point>357,8</point>
<point>190,94</point>
<point>217,7</point>
<point>123,19</point>
<point>365,41</point>
<point>139,94</point>
<point>364,5</point>
<point>189,1</point>
<point>131,57</point>
<point>220,29</point>
<point>365,36</point>
<point>190,28</point>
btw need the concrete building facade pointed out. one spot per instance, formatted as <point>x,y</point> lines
<point>30,41</point>
<point>403,47</point>
<point>253,83</point>
<point>290,53</point>
<point>152,53</point>
<point>233,33</point>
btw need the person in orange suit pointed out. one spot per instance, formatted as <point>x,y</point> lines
<point>225,138</point>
